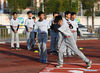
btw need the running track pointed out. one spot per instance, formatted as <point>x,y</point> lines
<point>24,61</point>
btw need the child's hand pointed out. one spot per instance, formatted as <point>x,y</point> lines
<point>77,37</point>
<point>73,31</point>
<point>28,30</point>
<point>35,39</point>
<point>15,31</point>
<point>69,23</point>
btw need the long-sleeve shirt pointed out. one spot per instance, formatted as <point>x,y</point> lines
<point>14,24</point>
<point>29,24</point>
<point>68,21</point>
<point>75,27</point>
<point>75,24</point>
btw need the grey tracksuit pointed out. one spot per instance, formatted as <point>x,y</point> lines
<point>68,42</point>
<point>14,25</point>
<point>29,23</point>
<point>42,28</point>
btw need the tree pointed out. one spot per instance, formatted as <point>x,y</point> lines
<point>51,6</point>
<point>61,6</point>
<point>88,5</point>
<point>15,5</point>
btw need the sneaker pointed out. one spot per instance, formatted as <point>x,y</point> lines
<point>12,48</point>
<point>55,52</point>
<point>33,46</point>
<point>17,48</point>
<point>89,64</point>
<point>43,61</point>
<point>29,48</point>
<point>59,66</point>
<point>51,52</point>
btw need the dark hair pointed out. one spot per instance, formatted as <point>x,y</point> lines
<point>33,18</point>
<point>55,13</point>
<point>73,13</point>
<point>40,12</point>
<point>29,12</point>
<point>57,18</point>
<point>14,13</point>
<point>67,12</point>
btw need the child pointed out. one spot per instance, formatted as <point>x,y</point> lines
<point>75,30</point>
<point>66,39</point>
<point>34,19</point>
<point>53,34</point>
<point>29,25</point>
<point>42,27</point>
<point>14,24</point>
<point>67,20</point>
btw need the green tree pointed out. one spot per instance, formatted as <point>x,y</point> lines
<point>61,5</point>
<point>74,5</point>
<point>88,5</point>
<point>51,6</point>
<point>15,5</point>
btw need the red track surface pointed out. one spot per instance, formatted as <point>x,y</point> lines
<point>28,62</point>
<point>72,68</point>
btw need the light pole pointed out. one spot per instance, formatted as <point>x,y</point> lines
<point>2,6</point>
<point>43,6</point>
<point>81,10</point>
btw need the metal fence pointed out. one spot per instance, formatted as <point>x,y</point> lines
<point>94,35</point>
<point>5,35</point>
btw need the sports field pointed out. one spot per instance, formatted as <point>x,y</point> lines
<point>23,61</point>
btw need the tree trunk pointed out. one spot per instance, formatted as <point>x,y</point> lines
<point>87,22</point>
<point>93,17</point>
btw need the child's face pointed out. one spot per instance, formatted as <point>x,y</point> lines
<point>15,16</point>
<point>30,15</point>
<point>34,19</point>
<point>60,22</point>
<point>68,16</point>
<point>42,16</point>
<point>74,16</point>
<point>55,15</point>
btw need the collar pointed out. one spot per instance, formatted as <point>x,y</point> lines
<point>14,19</point>
<point>40,20</point>
<point>67,19</point>
<point>72,20</point>
<point>30,18</point>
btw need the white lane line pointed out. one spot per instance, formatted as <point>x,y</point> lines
<point>78,63</point>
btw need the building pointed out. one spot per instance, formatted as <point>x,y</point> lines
<point>37,3</point>
<point>97,6</point>
<point>3,4</point>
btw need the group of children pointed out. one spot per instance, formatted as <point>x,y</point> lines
<point>29,25</point>
<point>63,31</point>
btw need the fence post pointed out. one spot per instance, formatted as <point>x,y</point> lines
<point>99,33</point>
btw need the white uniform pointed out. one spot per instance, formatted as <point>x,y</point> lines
<point>29,23</point>
<point>14,23</point>
<point>68,52</point>
<point>42,28</point>
<point>75,26</point>
<point>68,42</point>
